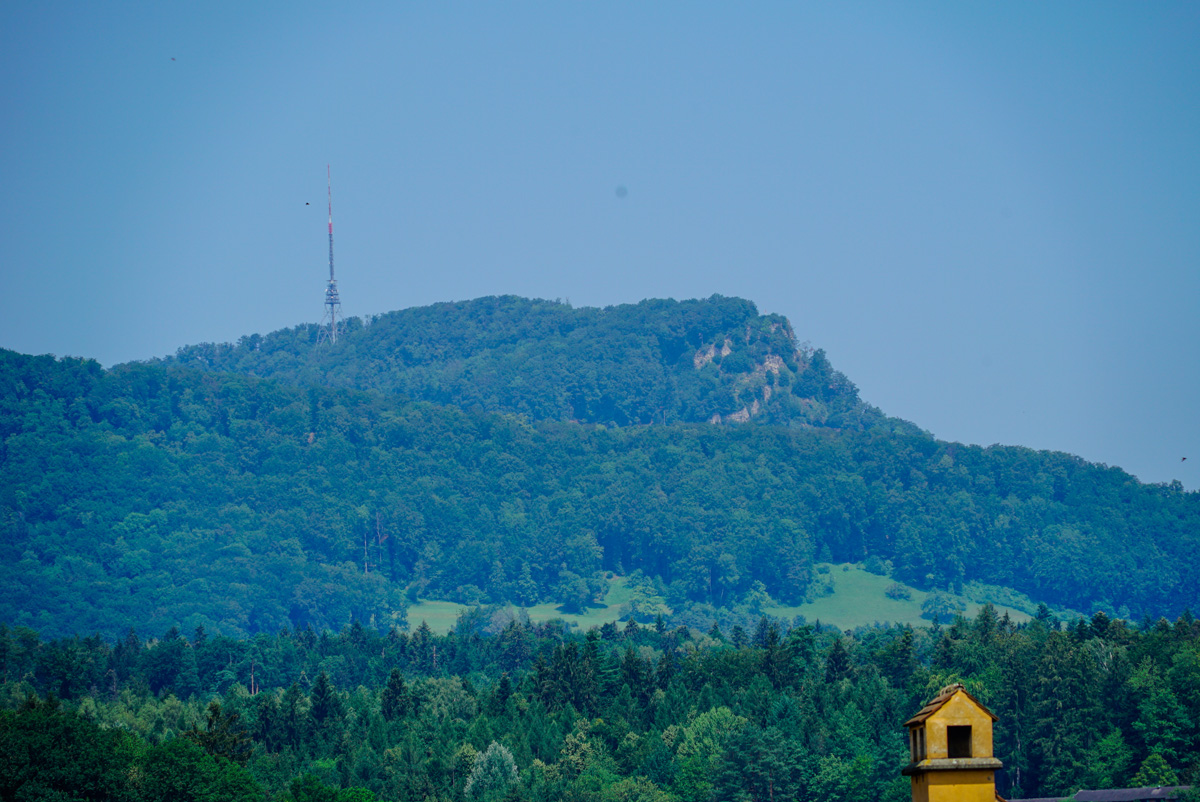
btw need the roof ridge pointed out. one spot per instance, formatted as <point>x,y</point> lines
<point>944,696</point>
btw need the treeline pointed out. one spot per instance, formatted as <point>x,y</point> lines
<point>500,708</point>
<point>169,496</point>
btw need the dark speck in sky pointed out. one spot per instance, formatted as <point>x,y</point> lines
<point>622,191</point>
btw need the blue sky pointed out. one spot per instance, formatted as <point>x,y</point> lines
<point>987,214</point>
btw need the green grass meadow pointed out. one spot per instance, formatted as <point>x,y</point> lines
<point>858,599</point>
<point>441,615</point>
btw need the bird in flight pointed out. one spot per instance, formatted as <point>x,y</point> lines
<point>172,58</point>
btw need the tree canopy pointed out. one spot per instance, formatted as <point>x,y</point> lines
<point>167,494</point>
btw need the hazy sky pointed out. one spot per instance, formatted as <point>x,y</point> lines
<point>988,214</point>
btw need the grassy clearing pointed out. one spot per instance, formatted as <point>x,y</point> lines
<point>441,615</point>
<point>618,594</point>
<point>858,600</point>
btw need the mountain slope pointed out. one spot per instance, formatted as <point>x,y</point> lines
<point>159,494</point>
<point>659,361</point>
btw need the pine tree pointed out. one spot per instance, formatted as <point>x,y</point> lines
<point>326,705</point>
<point>760,632</point>
<point>293,722</point>
<point>394,702</point>
<point>223,736</point>
<point>775,662</point>
<point>1067,713</point>
<point>501,695</point>
<point>1162,722</point>
<point>837,663</point>
<point>526,590</point>
<point>665,670</point>
<point>635,673</point>
<point>267,721</point>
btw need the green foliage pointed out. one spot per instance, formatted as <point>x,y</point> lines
<point>224,736</point>
<point>309,788</point>
<point>1162,722</point>
<point>292,507</point>
<point>52,754</point>
<point>180,771</point>
<point>940,607</point>
<point>659,361</point>
<point>841,780</point>
<point>635,789</point>
<point>1109,762</point>
<point>1154,771</point>
<point>55,754</point>
<point>395,700</point>
<point>287,504</point>
<point>494,770</point>
<point>509,709</point>
<point>699,748</point>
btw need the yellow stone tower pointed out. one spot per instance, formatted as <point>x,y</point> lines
<point>950,741</point>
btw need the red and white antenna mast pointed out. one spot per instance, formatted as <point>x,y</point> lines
<point>333,305</point>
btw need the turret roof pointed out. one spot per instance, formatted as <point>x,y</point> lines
<point>936,703</point>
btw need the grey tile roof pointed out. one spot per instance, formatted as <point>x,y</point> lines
<point>1131,794</point>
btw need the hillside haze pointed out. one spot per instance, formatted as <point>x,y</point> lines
<point>513,451</point>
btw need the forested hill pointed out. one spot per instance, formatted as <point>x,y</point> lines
<point>659,361</point>
<point>159,494</point>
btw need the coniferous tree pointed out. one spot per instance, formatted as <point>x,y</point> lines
<point>325,707</point>
<point>223,736</point>
<point>1064,734</point>
<point>760,632</point>
<point>395,701</point>
<point>500,696</point>
<point>293,718</point>
<point>837,662</point>
<point>268,727</point>
<point>635,674</point>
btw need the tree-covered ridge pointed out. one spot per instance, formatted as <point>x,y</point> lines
<point>659,361</point>
<point>500,708</point>
<point>165,495</point>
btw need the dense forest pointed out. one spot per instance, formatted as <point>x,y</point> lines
<point>170,493</point>
<point>274,509</point>
<point>659,361</point>
<point>502,709</point>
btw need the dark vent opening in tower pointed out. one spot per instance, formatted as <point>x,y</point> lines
<point>958,741</point>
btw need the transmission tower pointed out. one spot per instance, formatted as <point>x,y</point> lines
<point>331,322</point>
